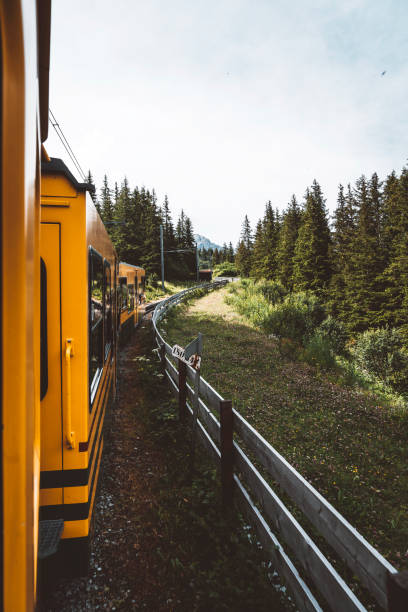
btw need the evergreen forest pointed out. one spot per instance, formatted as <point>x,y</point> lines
<point>133,217</point>
<point>334,286</point>
<point>357,265</point>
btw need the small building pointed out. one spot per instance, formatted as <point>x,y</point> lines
<point>205,275</point>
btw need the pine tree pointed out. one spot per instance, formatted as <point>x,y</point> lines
<point>270,226</point>
<point>311,267</point>
<point>244,249</point>
<point>258,253</point>
<point>106,204</point>
<point>151,219</point>
<point>121,231</point>
<point>231,255</point>
<point>364,287</point>
<point>286,243</point>
<point>395,276</point>
<point>168,229</point>
<point>90,181</point>
<point>340,253</point>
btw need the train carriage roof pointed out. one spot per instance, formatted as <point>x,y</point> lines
<point>57,166</point>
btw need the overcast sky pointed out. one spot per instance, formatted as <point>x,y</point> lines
<point>225,104</point>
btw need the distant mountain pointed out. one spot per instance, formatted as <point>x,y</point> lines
<point>205,243</point>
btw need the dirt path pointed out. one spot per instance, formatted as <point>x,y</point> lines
<point>160,541</point>
<point>121,575</point>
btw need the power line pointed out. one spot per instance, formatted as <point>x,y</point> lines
<point>66,145</point>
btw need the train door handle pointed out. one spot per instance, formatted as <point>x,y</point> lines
<point>69,434</point>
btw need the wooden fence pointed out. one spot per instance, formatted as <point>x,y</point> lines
<point>243,483</point>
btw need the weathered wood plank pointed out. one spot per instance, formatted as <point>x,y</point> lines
<point>227,452</point>
<point>360,556</point>
<point>182,390</point>
<point>333,588</point>
<point>173,385</point>
<point>205,439</point>
<point>207,417</point>
<point>172,371</point>
<point>210,395</point>
<point>274,551</point>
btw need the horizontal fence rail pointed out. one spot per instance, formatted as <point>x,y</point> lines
<point>217,424</point>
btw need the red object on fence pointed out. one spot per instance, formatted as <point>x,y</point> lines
<point>226,444</point>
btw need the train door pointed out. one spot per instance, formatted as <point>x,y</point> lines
<point>51,367</point>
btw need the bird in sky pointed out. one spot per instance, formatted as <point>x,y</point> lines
<point>383,72</point>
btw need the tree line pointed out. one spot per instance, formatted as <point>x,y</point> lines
<point>358,265</point>
<point>209,258</point>
<point>133,217</point>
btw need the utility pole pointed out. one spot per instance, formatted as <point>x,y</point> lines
<point>162,256</point>
<point>198,264</point>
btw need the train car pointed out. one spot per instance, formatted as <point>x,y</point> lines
<point>78,358</point>
<point>130,288</point>
<point>25,49</point>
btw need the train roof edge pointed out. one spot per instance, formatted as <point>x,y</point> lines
<point>125,263</point>
<point>57,166</point>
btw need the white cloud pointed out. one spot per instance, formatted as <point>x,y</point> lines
<point>226,104</point>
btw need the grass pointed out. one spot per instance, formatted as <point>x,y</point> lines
<point>346,442</point>
<point>205,560</point>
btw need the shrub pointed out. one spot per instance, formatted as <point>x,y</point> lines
<point>296,317</point>
<point>378,352</point>
<point>153,280</point>
<point>225,269</point>
<point>319,353</point>
<point>273,291</point>
<point>335,333</point>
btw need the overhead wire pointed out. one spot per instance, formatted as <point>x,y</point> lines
<point>66,145</point>
<point>69,150</point>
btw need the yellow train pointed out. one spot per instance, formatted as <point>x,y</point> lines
<point>25,40</point>
<point>64,298</point>
<point>131,288</point>
<point>78,359</point>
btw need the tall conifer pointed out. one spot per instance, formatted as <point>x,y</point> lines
<point>286,243</point>
<point>311,269</point>
<point>244,250</point>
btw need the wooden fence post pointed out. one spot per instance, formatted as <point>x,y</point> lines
<point>182,371</point>
<point>397,588</point>
<point>226,435</point>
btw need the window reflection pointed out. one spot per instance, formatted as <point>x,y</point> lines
<point>123,293</point>
<point>108,308</point>
<point>96,286</point>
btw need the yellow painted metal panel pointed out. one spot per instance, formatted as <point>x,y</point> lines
<point>73,308</point>
<point>51,419</point>
<point>51,497</point>
<point>20,308</point>
<point>76,495</point>
<point>55,185</point>
<point>75,529</point>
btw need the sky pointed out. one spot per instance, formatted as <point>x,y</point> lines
<point>226,104</point>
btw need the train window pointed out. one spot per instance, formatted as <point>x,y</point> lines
<point>131,304</point>
<point>108,308</point>
<point>123,293</point>
<point>43,332</point>
<point>96,316</point>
